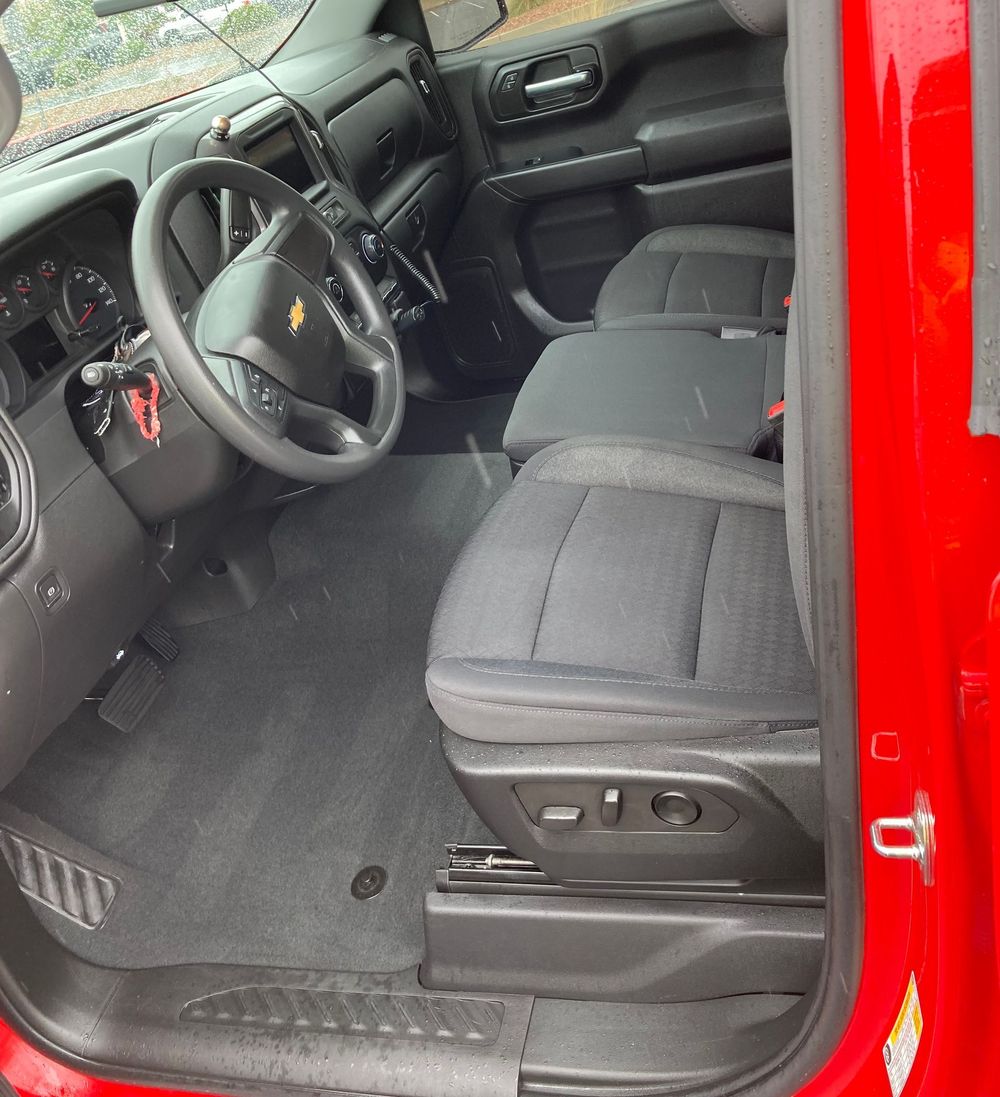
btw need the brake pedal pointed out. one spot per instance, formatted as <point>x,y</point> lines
<point>129,699</point>
<point>160,640</point>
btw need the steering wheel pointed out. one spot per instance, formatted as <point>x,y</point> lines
<point>262,354</point>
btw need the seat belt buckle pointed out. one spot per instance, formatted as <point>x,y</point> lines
<point>776,413</point>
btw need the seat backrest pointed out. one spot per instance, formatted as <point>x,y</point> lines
<point>770,17</point>
<point>766,17</point>
<point>796,525</point>
<point>796,512</point>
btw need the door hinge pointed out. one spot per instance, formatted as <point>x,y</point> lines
<point>920,827</point>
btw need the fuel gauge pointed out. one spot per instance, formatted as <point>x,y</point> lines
<point>48,269</point>
<point>31,290</point>
<point>10,309</point>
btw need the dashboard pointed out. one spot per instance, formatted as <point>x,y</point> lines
<point>364,131</point>
<point>97,528</point>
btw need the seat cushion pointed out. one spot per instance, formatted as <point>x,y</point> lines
<point>702,277</point>
<point>624,589</point>
<point>685,385</point>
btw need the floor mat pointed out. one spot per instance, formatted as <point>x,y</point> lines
<point>459,426</point>
<point>289,748</point>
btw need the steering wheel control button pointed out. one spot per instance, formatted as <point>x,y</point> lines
<point>51,590</point>
<point>611,807</point>
<point>560,817</point>
<point>676,808</point>
<point>265,393</point>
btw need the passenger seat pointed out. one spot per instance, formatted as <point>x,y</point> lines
<point>701,277</point>
<point>621,661</point>
<point>706,277</point>
<point>656,366</point>
<point>685,386</point>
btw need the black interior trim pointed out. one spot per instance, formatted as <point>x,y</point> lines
<point>19,482</point>
<point>571,174</point>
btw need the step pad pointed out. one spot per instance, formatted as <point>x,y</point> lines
<point>389,1016</point>
<point>128,700</point>
<point>79,893</point>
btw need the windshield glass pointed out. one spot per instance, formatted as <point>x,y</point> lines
<point>77,71</point>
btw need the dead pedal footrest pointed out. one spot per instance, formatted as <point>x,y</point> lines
<point>159,639</point>
<point>79,893</point>
<point>128,700</point>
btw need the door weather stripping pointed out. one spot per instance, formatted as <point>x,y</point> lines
<point>920,827</point>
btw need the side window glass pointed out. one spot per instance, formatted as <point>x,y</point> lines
<point>459,24</point>
<point>464,24</point>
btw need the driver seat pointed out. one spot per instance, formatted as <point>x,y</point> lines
<point>621,661</point>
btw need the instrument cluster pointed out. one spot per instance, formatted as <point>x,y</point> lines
<point>59,304</point>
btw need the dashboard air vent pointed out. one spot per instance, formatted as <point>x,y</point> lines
<point>432,94</point>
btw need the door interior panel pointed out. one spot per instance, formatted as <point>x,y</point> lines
<point>578,142</point>
<point>567,248</point>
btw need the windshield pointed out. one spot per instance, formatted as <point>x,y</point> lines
<point>77,71</point>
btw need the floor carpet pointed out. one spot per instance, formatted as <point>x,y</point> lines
<point>291,747</point>
<point>461,426</point>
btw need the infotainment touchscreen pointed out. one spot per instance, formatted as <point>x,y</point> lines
<point>280,154</point>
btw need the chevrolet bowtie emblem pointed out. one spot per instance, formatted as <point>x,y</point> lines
<point>296,316</point>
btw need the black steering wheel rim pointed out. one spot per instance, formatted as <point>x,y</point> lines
<point>214,383</point>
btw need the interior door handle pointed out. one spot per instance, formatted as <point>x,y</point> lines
<point>574,81</point>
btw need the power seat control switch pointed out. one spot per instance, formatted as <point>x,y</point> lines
<point>676,808</point>
<point>560,817</point>
<point>611,807</point>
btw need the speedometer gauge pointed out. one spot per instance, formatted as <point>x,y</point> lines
<point>90,302</point>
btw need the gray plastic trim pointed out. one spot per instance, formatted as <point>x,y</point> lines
<point>984,44</point>
<point>82,894</point>
<point>351,1013</point>
<point>577,1048</point>
<point>772,782</point>
<point>618,950</point>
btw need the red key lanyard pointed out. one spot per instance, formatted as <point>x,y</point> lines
<point>146,409</point>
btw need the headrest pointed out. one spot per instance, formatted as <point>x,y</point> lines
<point>769,17</point>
